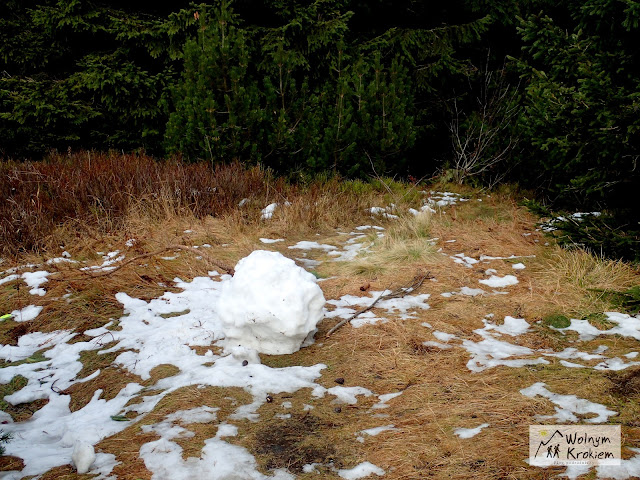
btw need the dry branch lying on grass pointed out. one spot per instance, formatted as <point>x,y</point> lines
<point>418,280</point>
<point>215,262</point>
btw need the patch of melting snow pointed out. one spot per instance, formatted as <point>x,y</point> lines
<point>384,398</point>
<point>146,339</point>
<point>271,240</point>
<point>9,278</point>
<point>393,306</point>
<point>443,337</point>
<point>499,282</point>
<point>27,313</point>
<point>614,364</point>
<point>307,245</point>
<point>267,212</point>
<point>218,460</point>
<point>425,208</point>
<point>444,199</point>
<point>29,344</point>
<point>471,292</point>
<point>627,326</point>
<point>492,352</point>
<point>567,406</point>
<point>34,280</point>
<point>360,471</point>
<point>310,467</point>
<point>469,432</point>
<point>462,259</point>
<point>569,353</point>
<point>369,227</point>
<point>345,394</point>
<point>372,432</point>
<point>627,469</point>
<point>430,343</point>
<point>550,225</point>
<point>485,258</point>
<point>108,260</point>
<point>383,212</point>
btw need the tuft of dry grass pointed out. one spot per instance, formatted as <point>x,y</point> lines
<point>575,280</point>
<point>406,241</point>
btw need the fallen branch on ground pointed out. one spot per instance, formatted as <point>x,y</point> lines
<point>129,261</point>
<point>418,280</point>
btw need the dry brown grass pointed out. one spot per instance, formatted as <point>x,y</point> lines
<point>575,280</point>
<point>439,393</point>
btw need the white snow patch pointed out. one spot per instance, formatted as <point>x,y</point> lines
<point>383,212</point>
<point>372,432</point>
<point>28,345</point>
<point>614,364</point>
<point>271,240</point>
<point>360,471</point>
<point>348,394</point>
<point>471,292</point>
<point>307,245</point>
<point>469,432</point>
<point>627,326</point>
<point>499,282</point>
<point>492,352</point>
<point>518,266</point>
<point>462,259</point>
<point>27,313</point>
<point>267,212</point>
<point>568,405</point>
<point>108,260</point>
<point>442,336</point>
<point>393,306</point>
<point>384,398</point>
<point>9,278</point>
<point>218,460</point>
<point>34,280</point>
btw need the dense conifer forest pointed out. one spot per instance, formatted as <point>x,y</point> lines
<point>538,93</point>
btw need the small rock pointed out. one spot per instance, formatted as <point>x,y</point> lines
<point>245,363</point>
<point>339,380</point>
<point>337,409</point>
<point>269,399</point>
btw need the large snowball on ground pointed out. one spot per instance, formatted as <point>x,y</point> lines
<point>270,304</point>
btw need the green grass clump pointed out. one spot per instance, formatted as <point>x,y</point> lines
<point>556,320</point>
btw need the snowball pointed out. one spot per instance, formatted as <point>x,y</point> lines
<point>271,304</point>
<point>83,456</point>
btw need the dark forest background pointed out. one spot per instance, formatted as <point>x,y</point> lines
<point>541,93</point>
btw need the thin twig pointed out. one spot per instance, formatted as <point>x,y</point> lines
<point>398,292</point>
<point>217,263</point>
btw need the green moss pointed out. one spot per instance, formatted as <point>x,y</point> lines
<point>556,320</point>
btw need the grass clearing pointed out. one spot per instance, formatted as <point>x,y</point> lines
<point>437,392</point>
